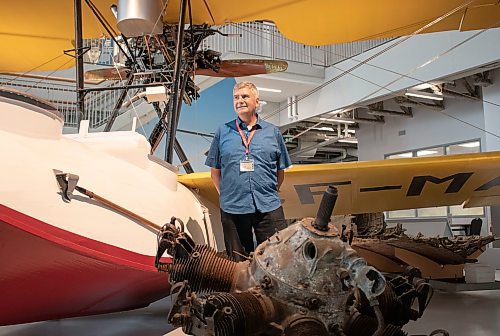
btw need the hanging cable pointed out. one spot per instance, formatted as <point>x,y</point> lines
<point>400,77</point>
<point>389,47</point>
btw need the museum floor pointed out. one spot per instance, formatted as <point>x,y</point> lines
<point>462,314</point>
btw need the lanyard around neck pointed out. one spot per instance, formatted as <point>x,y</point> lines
<point>246,141</point>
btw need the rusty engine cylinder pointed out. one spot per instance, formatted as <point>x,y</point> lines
<point>205,269</point>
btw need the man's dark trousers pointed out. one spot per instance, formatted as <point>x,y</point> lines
<point>237,228</point>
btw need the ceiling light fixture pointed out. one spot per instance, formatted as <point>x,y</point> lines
<point>349,140</point>
<point>269,90</point>
<point>339,120</point>
<point>427,85</point>
<point>425,95</point>
<point>336,112</point>
<point>401,155</point>
<point>470,144</point>
<point>323,128</point>
<point>426,152</point>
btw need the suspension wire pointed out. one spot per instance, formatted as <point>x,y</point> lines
<point>419,81</point>
<point>50,74</point>
<point>35,83</point>
<point>101,18</point>
<point>105,24</point>
<point>392,45</point>
<point>130,99</point>
<point>385,69</point>
<point>38,66</point>
<point>400,77</point>
<point>159,16</point>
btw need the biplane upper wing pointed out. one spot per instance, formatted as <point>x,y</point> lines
<point>35,33</point>
<point>373,186</point>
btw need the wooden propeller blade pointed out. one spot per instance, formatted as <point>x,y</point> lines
<point>228,68</point>
<point>120,73</point>
<point>244,67</point>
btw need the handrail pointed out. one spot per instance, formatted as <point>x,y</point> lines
<point>262,39</point>
<point>99,105</point>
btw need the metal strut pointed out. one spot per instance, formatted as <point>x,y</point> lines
<point>176,102</point>
<point>79,63</point>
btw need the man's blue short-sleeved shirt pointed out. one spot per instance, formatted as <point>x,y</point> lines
<point>248,192</point>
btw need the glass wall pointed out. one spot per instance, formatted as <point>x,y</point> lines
<point>473,146</point>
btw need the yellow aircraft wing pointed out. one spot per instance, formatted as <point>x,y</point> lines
<point>374,186</point>
<point>33,34</point>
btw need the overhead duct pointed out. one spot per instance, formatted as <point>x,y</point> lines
<point>140,17</point>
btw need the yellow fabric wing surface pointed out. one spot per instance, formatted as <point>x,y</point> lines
<point>33,33</point>
<point>374,186</point>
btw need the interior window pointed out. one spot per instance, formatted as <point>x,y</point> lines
<point>400,155</point>
<point>437,151</point>
<point>410,213</point>
<point>458,210</point>
<point>463,148</point>
<point>432,212</point>
<point>443,211</point>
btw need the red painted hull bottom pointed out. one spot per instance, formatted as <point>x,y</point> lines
<point>47,273</point>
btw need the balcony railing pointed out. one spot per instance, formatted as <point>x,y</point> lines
<point>98,105</point>
<point>262,39</point>
<point>258,39</point>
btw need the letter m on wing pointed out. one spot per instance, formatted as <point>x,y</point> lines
<point>457,181</point>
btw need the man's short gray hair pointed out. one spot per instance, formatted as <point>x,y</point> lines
<point>249,85</point>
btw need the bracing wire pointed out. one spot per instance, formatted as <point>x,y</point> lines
<point>359,63</point>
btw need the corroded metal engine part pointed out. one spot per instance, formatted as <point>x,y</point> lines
<point>359,324</point>
<point>205,269</point>
<point>304,280</point>
<point>370,224</point>
<point>311,272</point>
<point>222,314</point>
<point>396,305</point>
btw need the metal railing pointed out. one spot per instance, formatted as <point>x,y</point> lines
<point>98,105</point>
<point>259,39</point>
<point>263,39</point>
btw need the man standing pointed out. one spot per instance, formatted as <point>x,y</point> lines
<point>247,159</point>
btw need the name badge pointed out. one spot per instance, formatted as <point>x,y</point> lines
<point>247,165</point>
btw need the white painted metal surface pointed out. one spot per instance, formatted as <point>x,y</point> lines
<point>112,165</point>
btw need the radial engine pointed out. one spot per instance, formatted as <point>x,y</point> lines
<point>304,280</point>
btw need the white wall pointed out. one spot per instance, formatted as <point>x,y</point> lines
<point>427,128</point>
<point>491,106</point>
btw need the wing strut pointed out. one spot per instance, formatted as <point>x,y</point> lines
<point>119,103</point>
<point>80,94</point>
<point>176,102</point>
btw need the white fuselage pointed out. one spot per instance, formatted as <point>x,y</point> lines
<point>115,166</point>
